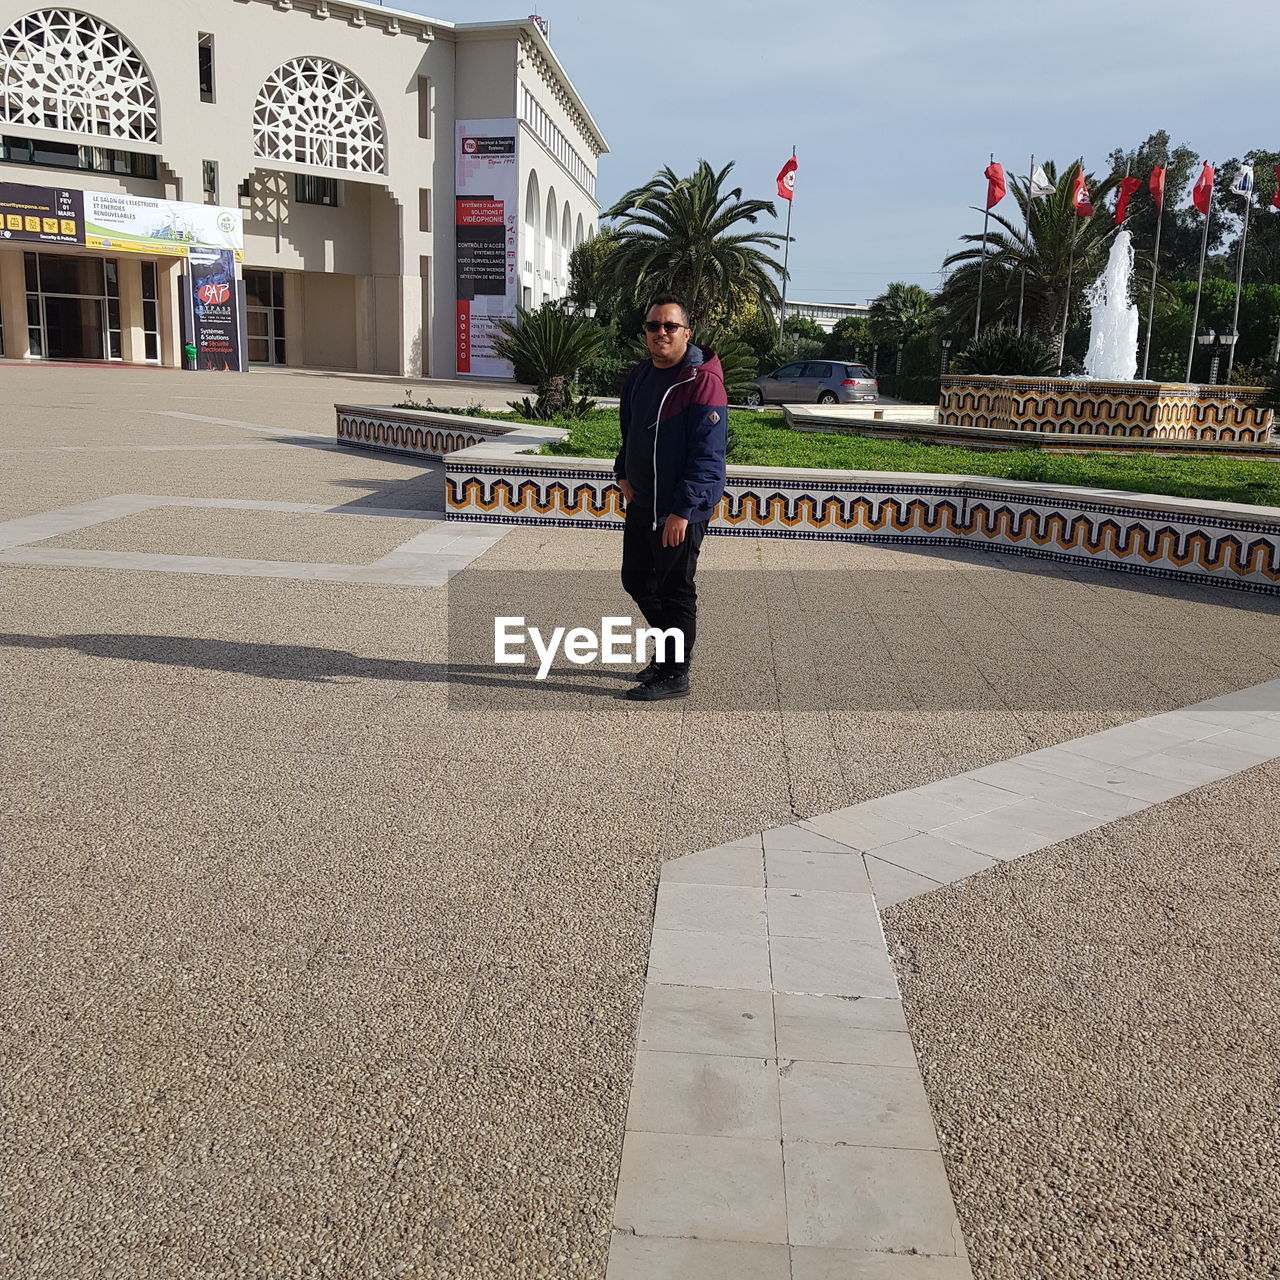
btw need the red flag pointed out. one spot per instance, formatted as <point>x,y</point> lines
<point>994,174</point>
<point>1202,192</point>
<point>1275,199</point>
<point>787,179</point>
<point>1080,196</point>
<point>1127,187</point>
<point>1156,186</point>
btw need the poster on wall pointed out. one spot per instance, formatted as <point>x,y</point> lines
<point>215,309</point>
<point>139,224</point>
<point>45,215</point>
<point>486,223</point>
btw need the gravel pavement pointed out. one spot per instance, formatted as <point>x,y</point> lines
<point>316,969</point>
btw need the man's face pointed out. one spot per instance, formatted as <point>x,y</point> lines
<point>671,340</point>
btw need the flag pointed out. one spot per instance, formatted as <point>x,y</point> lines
<point>787,179</point>
<point>1127,187</point>
<point>1040,185</point>
<point>1202,193</point>
<point>994,175</point>
<point>1275,199</point>
<point>1156,186</point>
<point>1080,196</point>
<point>1243,184</point>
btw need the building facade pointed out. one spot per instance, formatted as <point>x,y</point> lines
<point>334,129</point>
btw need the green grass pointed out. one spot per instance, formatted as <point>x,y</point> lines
<point>764,440</point>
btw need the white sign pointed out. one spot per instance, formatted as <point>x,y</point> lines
<point>486,230</point>
<point>139,224</point>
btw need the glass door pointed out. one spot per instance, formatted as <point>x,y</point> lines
<point>264,316</point>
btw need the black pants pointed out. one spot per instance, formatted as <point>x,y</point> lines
<point>660,579</point>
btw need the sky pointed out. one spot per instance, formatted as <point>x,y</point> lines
<point>894,106</point>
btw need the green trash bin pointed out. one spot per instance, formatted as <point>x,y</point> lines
<point>189,351</point>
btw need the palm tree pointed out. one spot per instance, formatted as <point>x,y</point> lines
<point>686,236</point>
<point>901,312</point>
<point>1056,254</point>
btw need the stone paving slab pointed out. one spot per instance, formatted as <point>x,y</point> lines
<point>826,1074</point>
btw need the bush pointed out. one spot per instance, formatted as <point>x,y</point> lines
<point>1001,349</point>
<point>548,347</point>
<point>603,375</point>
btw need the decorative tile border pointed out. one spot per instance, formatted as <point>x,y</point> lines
<point>1130,409</point>
<point>778,1125</point>
<point>420,433</point>
<point>1212,543</point>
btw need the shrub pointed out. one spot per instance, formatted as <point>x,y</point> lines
<point>549,346</point>
<point>1001,349</point>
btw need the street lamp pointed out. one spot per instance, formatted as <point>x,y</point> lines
<point>1217,344</point>
<point>945,344</point>
<point>897,367</point>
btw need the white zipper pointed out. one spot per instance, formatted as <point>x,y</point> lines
<point>656,423</point>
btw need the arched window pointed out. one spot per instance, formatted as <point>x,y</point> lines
<point>577,232</point>
<point>566,230</point>
<point>312,111</point>
<point>532,219</point>
<point>60,69</point>
<point>551,258</point>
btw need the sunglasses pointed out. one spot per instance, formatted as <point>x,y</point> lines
<point>670,326</point>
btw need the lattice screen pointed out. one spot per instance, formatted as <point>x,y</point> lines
<point>60,69</point>
<point>314,112</point>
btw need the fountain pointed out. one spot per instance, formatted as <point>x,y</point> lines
<point>1107,400</point>
<point>1113,318</point>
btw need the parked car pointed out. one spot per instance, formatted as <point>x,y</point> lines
<point>823,381</point>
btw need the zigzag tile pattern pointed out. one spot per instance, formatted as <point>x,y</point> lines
<point>1242,554</point>
<point>403,435</point>
<point>1068,406</point>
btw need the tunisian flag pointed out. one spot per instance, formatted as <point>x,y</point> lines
<point>994,174</point>
<point>1275,199</point>
<point>1202,192</point>
<point>1156,186</point>
<point>1127,187</point>
<point>787,179</point>
<point>1080,196</point>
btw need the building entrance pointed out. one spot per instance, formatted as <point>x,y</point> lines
<point>73,307</point>
<point>264,316</point>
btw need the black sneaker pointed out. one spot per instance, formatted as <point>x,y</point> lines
<point>648,673</point>
<point>660,688</point>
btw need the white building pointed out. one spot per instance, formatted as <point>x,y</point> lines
<point>329,124</point>
<point>828,314</point>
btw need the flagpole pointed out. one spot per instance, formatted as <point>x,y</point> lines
<point>1235,315</point>
<point>1071,266</point>
<point>1151,302</point>
<point>786,258</point>
<point>982,264</point>
<point>1195,317</point>
<point>1022,280</point>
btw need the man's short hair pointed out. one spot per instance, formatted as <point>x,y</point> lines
<point>669,300</point>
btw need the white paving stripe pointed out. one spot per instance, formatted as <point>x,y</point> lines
<point>236,422</point>
<point>778,1126</point>
<point>428,559</point>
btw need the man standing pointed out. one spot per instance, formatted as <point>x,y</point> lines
<point>674,416</point>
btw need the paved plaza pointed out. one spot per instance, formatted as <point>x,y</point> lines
<point>318,968</point>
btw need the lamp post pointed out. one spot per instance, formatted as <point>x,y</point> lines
<point>897,364</point>
<point>1227,343</point>
<point>1217,344</point>
<point>944,343</point>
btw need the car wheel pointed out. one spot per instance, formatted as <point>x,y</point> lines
<point>753,399</point>
<point>828,397</point>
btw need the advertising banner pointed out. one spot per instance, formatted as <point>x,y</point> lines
<point>44,215</point>
<point>138,224</point>
<point>215,308</point>
<point>486,224</point>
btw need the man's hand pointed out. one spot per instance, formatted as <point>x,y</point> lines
<point>673,528</point>
<point>628,493</point>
